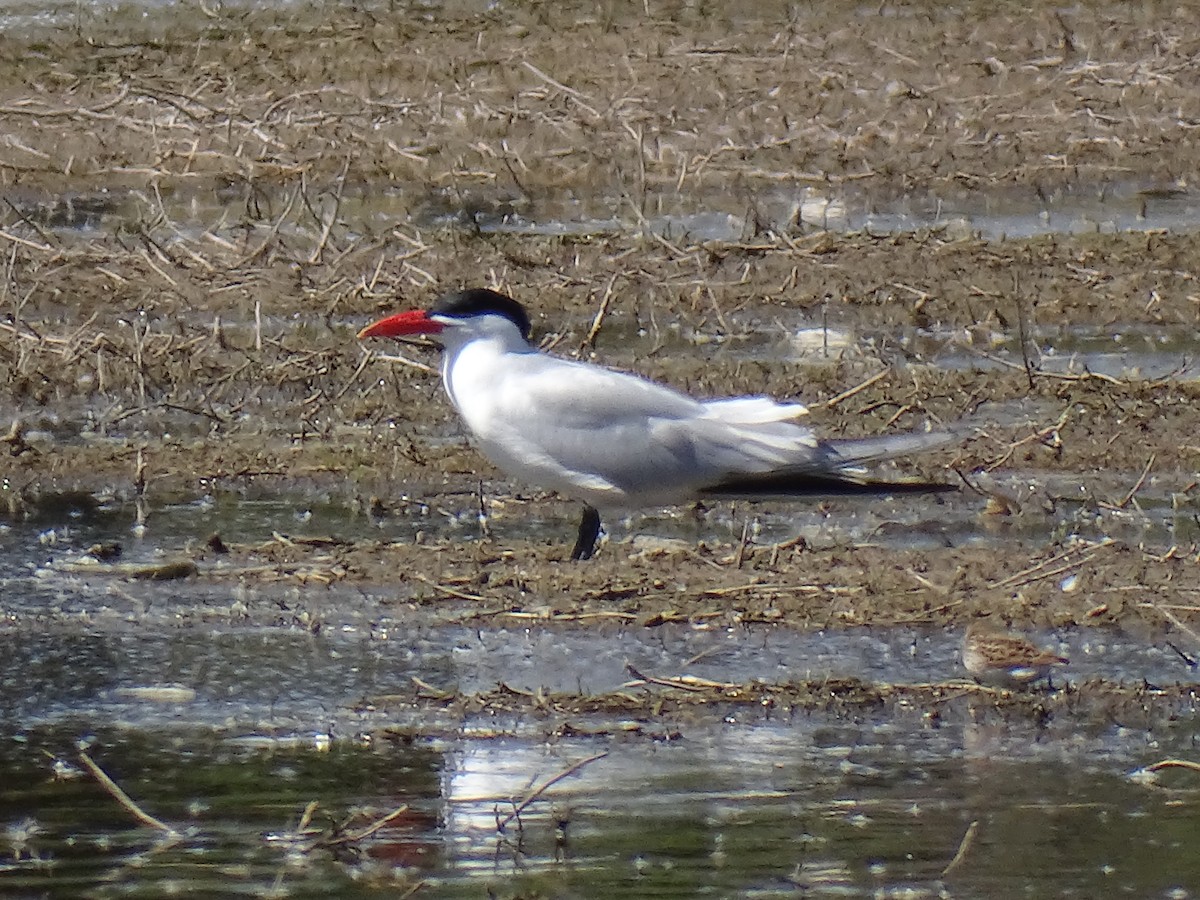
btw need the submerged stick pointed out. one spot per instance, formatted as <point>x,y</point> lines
<point>364,833</point>
<point>963,846</point>
<point>545,785</point>
<point>1174,764</point>
<point>123,798</point>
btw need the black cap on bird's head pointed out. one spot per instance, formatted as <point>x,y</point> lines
<point>480,302</point>
<point>460,305</point>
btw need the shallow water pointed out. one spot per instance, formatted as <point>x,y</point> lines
<point>802,807</point>
<point>226,729</point>
<point>211,674</point>
<point>993,213</point>
<point>44,552</point>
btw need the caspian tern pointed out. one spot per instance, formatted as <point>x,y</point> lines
<point>619,441</point>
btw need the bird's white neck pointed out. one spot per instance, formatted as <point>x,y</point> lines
<point>472,360</point>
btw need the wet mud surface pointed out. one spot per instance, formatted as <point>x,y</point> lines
<point>162,347</point>
<point>990,228</point>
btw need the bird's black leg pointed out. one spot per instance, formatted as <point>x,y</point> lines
<point>589,533</point>
<point>485,530</point>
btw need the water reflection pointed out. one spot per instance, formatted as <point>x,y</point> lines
<point>787,809</point>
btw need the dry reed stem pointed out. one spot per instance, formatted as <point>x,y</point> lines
<point>1048,568</point>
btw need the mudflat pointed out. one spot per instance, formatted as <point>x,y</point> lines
<point>200,211</point>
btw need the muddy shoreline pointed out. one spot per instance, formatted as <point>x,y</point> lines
<point>190,246</point>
